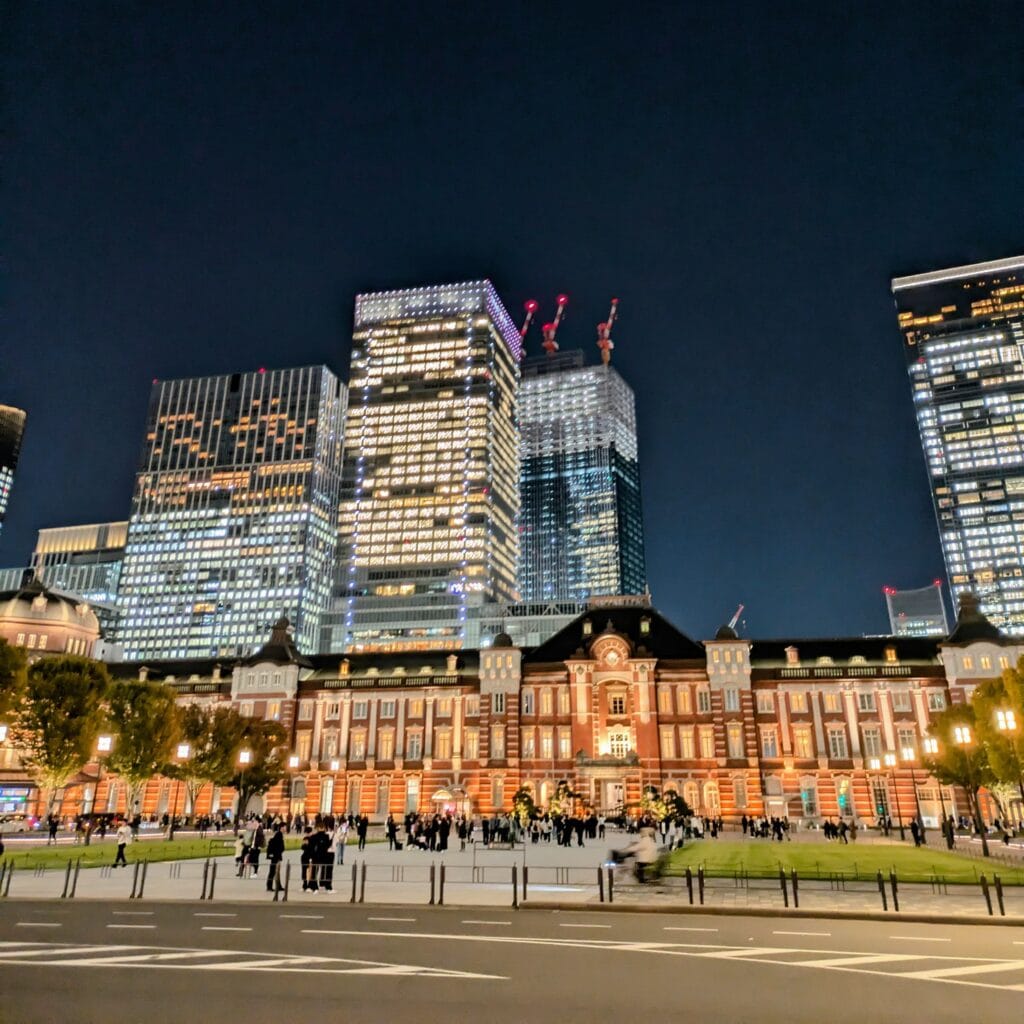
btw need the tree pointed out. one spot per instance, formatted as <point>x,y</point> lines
<point>143,716</point>
<point>13,678</point>
<point>266,767</point>
<point>564,800</point>
<point>214,737</point>
<point>958,763</point>
<point>61,716</point>
<point>523,806</point>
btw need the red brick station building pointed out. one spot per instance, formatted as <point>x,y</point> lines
<point>617,701</point>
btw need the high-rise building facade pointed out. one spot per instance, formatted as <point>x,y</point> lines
<point>12,427</point>
<point>920,612</point>
<point>580,525</point>
<point>963,329</point>
<point>234,518</point>
<point>428,517</point>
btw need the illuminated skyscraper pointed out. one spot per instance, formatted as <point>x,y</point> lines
<point>234,519</point>
<point>963,329</point>
<point>12,426</point>
<point>431,466</point>
<point>581,527</point>
<point>920,612</point>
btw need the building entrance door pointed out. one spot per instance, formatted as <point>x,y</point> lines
<point>614,795</point>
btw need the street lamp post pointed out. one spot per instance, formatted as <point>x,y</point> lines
<point>930,745</point>
<point>909,755</point>
<point>182,754</point>
<point>890,763</point>
<point>293,763</point>
<point>1006,721</point>
<point>963,739</point>
<point>244,758</point>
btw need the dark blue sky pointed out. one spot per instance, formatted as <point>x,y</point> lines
<point>202,188</point>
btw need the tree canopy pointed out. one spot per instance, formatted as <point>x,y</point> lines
<point>13,678</point>
<point>214,737</point>
<point>264,741</point>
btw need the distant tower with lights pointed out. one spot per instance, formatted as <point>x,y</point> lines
<point>430,497</point>
<point>963,337</point>
<point>235,515</point>
<point>581,525</point>
<point>12,427</point>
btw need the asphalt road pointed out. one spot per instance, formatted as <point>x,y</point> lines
<point>180,963</point>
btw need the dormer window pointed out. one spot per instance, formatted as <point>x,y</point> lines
<point>824,660</point>
<point>792,656</point>
<point>858,659</point>
<point>890,654</point>
<point>645,626</point>
<point>588,627</point>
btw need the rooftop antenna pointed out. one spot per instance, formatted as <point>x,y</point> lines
<point>531,308</point>
<point>604,333</point>
<point>551,330</point>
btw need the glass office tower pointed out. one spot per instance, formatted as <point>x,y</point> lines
<point>580,527</point>
<point>12,427</point>
<point>920,612</point>
<point>963,329</point>
<point>431,467</point>
<point>234,518</point>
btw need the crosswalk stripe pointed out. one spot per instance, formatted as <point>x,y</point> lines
<point>955,972</point>
<point>873,958</point>
<point>732,954</point>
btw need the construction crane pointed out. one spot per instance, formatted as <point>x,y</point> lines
<point>551,330</point>
<point>531,308</point>
<point>604,333</point>
<point>736,618</point>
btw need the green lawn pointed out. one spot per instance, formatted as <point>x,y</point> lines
<point>818,860</point>
<point>98,853</point>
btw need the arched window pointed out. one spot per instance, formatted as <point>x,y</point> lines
<point>691,794</point>
<point>712,805</point>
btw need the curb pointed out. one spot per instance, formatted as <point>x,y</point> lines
<point>833,915</point>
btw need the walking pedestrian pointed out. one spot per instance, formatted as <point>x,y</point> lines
<point>275,854</point>
<point>124,837</point>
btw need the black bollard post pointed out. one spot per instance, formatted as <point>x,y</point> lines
<point>7,880</point>
<point>796,888</point>
<point>206,877</point>
<point>67,880</point>
<point>515,886</point>
<point>355,875</point>
<point>440,889</point>
<point>362,881</point>
<point>689,885</point>
<point>700,884</point>
<point>213,879</point>
<point>600,884</point>
<point>142,880</point>
<point>135,880</point>
<point>881,889</point>
<point>74,877</point>
<point>999,895</point>
<point>275,881</point>
<point>433,872</point>
<point>986,893</point>
<point>785,891</point>
<point>525,873</point>
<point>895,892</point>
<point>611,885</point>
<point>287,881</point>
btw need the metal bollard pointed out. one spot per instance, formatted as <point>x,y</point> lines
<point>355,875</point>
<point>689,885</point>
<point>135,880</point>
<point>287,880</point>
<point>213,879</point>
<point>881,889</point>
<point>987,895</point>
<point>206,875</point>
<point>142,880</point>
<point>999,895</point>
<point>785,891</point>
<point>3,872</point>
<point>700,884</point>
<point>515,886</point>
<point>895,892</point>
<point>7,881</point>
<point>796,888</point>
<point>611,885</point>
<point>525,875</point>
<point>600,884</point>
<point>67,880</point>
<point>74,877</point>
<point>433,872</point>
<point>362,881</point>
<point>440,891</point>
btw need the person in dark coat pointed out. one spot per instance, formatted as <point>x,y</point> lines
<point>305,856</point>
<point>321,869</point>
<point>275,854</point>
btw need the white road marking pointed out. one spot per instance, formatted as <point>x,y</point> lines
<point>200,914</point>
<point>224,928</point>
<point>680,928</point>
<point>563,925</point>
<point>132,913</point>
<point>40,924</point>
<point>131,925</point>
<point>826,934</point>
<point>867,958</point>
<point>391,919</point>
<point>301,917</point>
<point>472,921</point>
<point>730,954</point>
<point>44,949</point>
<point>919,938</point>
<point>952,972</point>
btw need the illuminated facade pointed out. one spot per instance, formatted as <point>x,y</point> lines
<point>616,701</point>
<point>581,525</point>
<point>430,494</point>
<point>963,329</point>
<point>234,518</point>
<point>920,612</point>
<point>12,427</point>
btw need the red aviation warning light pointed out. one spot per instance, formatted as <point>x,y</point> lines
<point>604,333</point>
<point>550,331</point>
<point>531,308</point>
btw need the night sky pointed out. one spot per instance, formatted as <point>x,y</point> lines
<point>203,188</point>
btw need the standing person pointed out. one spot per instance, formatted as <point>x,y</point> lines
<point>321,870</point>
<point>53,823</point>
<point>259,839</point>
<point>392,830</point>
<point>124,837</point>
<point>305,854</point>
<point>362,827</point>
<point>275,854</point>
<point>340,839</point>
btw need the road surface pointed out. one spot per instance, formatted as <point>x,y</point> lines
<point>180,963</point>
